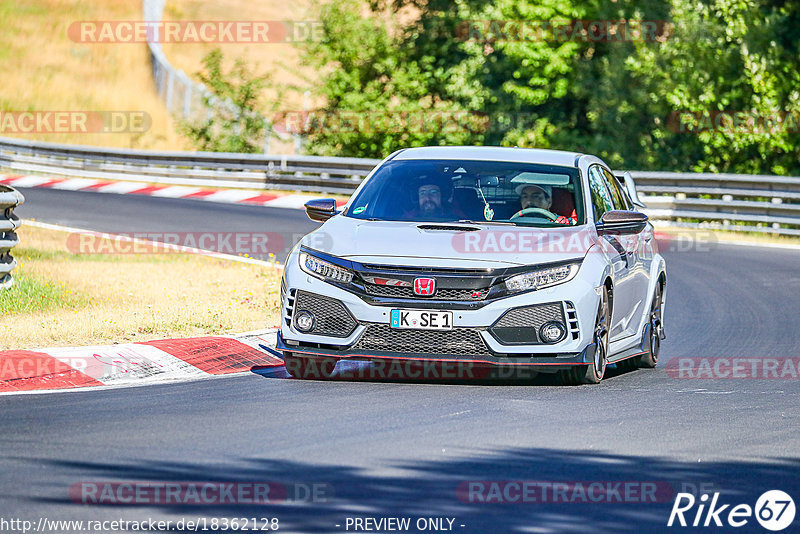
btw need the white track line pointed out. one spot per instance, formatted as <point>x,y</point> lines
<point>168,246</point>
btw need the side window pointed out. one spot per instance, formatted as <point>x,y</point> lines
<point>620,202</point>
<point>601,198</point>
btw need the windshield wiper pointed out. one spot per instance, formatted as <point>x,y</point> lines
<point>506,223</point>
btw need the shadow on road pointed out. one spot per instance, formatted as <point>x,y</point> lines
<point>363,371</point>
<point>431,488</point>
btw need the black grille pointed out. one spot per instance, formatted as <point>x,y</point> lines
<point>422,271</point>
<point>521,325</point>
<point>399,292</point>
<point>530,316</point>
<point>332,317</point>
<point>459,341</point>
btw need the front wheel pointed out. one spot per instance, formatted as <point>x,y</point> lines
<point>596,370</point>
<point>310,367</point>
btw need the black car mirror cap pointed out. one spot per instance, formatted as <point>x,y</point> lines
<point>621,222</point>
<point>321,209</point>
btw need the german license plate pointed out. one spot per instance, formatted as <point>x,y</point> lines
<point>422,320</point>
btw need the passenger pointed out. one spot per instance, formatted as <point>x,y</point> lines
<point>434,201</point>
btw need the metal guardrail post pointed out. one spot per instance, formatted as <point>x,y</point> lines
<point>768,204</point>
<point>10,198</point>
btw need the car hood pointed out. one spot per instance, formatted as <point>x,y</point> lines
<point>448,245</point>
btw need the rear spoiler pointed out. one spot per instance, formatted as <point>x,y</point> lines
<point>630,185</point>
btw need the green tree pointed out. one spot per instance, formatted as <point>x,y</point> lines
<point>726,55</point>
<point>611,97</point>
<point>233,122</point>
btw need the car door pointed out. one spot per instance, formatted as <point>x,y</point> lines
<point>614,249</point>
<point>639,261</point>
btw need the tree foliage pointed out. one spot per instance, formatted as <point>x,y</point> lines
<point>622,99</point>
<point>233,122</point>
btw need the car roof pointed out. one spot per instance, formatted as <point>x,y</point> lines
<point>492,153</point>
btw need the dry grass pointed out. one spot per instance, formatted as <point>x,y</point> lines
<point>51,72</point>
<point>281,61</point>
<point>44,70</point>
<point>111,298</point>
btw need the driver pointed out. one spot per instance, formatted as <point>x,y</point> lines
<point>539,196</point>
<point>535,196</point>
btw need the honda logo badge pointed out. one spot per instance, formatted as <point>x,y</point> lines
<point>424,287</point>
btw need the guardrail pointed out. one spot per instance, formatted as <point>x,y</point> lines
<point>10,198</point>
<point>306,173</point>
<point>750,203</point>
<point>728,201</point>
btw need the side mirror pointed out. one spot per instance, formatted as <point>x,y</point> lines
<point>321,210</point>
<point>622,222</point>
<point>630,185</point>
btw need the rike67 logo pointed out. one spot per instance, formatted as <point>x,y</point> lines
<point>774,510</point>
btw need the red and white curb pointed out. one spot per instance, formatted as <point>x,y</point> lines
<point>132,364</point>
<point>225,196</point>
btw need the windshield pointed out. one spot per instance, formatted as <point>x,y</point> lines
<point>524,194</point>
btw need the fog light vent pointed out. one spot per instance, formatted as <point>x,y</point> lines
<point>552,332</point>
<point>304,321</point>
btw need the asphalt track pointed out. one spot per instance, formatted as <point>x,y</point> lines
<point>127,214</point>
<point>385,449</point>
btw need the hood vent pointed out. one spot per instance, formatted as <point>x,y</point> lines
<point>448,227</point>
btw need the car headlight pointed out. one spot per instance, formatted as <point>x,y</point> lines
<point>315,266</point>
<point>542,278</point>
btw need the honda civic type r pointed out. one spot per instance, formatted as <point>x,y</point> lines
<point>489,255</point>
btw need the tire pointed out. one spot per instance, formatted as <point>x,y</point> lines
<point>309,367</point>
<point>652,344</point>
<point>595,371</point>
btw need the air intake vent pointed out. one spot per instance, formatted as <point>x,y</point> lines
<point>290,306</point>
<point>520,326</point>
<point>331,316</point>
<point>458,341</point>
<point>572,320</point>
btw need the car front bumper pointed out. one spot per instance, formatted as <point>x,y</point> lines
<point>370,337</point>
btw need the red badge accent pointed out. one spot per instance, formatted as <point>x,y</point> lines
<point>424,287</point>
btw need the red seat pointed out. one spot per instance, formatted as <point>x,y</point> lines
<point>563,202</point>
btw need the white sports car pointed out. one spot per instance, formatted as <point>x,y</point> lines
<point>495,256</point>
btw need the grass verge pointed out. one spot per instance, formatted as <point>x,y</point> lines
<point>65,299</point>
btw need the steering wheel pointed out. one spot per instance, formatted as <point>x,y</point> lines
<point>536,212</point>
